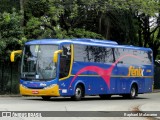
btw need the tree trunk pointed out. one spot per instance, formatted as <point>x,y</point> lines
<point>22,11</point>
<point>107,28</point>
<point>100,24</point>
<point>146,31</point>
<point>140,33</point>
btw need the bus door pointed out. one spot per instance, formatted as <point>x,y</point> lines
<point>65,61</point>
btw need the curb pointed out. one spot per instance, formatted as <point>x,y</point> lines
<point>16,95</point>
<point>156,90</point>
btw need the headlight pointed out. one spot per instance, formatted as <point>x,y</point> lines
<point>50,86</point>
<point>23,86</point>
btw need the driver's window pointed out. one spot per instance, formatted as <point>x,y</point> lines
<point>65,60</point>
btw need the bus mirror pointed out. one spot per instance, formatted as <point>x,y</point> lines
<point>55,56</point>
<point>13,54</point>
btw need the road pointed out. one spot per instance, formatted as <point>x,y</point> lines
<point>89,103</point>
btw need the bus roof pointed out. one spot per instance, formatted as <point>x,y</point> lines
<point>59,41</point>
<point>86,41</point>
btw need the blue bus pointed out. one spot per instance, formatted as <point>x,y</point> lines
<point>79,67</point>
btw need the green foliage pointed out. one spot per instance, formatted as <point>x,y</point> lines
<point>120,20</point>
<point>7,5</point>
<point>149,7</point>
<point>53,19</point>
<point>82,33</point>
<point>36,8</point>
<point>10,32</point>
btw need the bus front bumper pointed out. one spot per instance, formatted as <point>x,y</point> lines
<point>48,91</point>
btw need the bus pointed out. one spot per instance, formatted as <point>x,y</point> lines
<point>82,66</point>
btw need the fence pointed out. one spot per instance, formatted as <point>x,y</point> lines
<point>157,77</point>
<point>9,77</point>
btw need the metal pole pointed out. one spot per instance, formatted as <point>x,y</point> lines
<point>2,75</point>
<point>11,79</point>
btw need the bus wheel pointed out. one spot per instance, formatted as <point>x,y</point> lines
<point>78,93</point>
<point>46,97</point>
<point>105,96</point>
<point>133,92</point>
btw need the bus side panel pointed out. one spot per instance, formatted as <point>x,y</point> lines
<point>148,85</point>
<point>122,82</point>
<point>93,85</point>
<point>148,78</point>
<point>143,78</point>
<point>91,78</point>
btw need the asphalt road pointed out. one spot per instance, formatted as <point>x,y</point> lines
<point>89,103</point>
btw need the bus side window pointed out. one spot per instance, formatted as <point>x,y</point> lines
<point>65,61</point>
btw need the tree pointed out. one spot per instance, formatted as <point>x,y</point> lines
<point>7,5</point>
<point>11,35</point>
<point>41,18</point>
<point>54,19</point>
<point>129,21</point>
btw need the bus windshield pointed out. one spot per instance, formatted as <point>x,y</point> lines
<point>37,62</point>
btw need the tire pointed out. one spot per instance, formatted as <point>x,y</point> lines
<point>105,96</point>
<point>46,97</point>
<point>79,93</point>
<point>133,92</point>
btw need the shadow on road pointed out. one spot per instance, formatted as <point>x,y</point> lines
<point>87,98</point>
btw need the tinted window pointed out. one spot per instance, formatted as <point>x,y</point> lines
<point>93,54</point>
<point>129,56</point>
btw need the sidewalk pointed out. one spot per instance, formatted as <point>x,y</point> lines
<point>153,109</point>
<point>152,106</point>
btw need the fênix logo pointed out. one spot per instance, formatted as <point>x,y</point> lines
<point>135,71</point>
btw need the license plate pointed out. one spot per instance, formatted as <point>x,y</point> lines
<point>35,92</point>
